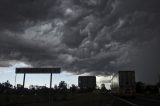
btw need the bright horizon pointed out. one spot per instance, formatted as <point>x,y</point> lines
<point>8,73</point>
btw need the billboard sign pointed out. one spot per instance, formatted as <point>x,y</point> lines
<point>37,70</point>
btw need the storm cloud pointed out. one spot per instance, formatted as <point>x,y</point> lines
<point>98,37</point>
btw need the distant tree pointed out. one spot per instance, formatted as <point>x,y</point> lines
<point>73,88</point>
<point>151,89</point>
<point>62,85</point>
<point>55,87</point>
<point>140,87</point>
<point>1,87</point>
<point>103,87</point>
<point>32,87</point>
<point>158,84</point>
<point>43,87</point>
<point>19,86</point>
<point>37,87</point>
<point>7,84</point>
<point>97,87</point>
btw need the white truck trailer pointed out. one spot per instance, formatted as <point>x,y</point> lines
<point>123,83</point>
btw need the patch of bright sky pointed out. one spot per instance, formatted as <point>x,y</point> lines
<point>8,73</point>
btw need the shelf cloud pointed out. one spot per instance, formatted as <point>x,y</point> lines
<point>82,36</point>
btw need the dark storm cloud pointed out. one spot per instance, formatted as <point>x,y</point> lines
<point>94,36</point>
<point>15,14</point>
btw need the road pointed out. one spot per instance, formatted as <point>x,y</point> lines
<point>137,101</point>
<point>85,99</point>
<point>145,101</point>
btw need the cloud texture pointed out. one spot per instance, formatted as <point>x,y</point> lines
<point>94,36</point>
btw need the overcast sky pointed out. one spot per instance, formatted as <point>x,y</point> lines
<point>98,37</point>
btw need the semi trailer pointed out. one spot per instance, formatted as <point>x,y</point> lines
<point>87,82</point>
<point>123,83</point>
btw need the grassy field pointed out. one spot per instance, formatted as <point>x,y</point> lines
<point>87,99</point>
<point>68,99</point>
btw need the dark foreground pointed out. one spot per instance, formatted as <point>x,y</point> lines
<point>83,99</point>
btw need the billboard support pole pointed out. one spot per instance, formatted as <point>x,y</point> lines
<point>15,81</point>
<point>37,71</point>
<point>24,79</point>
<point>51,81</point>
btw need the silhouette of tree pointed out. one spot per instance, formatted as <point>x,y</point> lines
<point>55,87</point>
<point>151,89</point>
<point>31,87</point>
<point>140,87</point>
<point>97,87</point>
<point>7,84</point>
<point>19,86</point>
<point>62,85</point>
<point>103,87</point>
<point>73,88</point>
<point>1,88</point>
<point>158,84</point>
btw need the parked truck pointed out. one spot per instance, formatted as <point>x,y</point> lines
<point>123,83</point>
